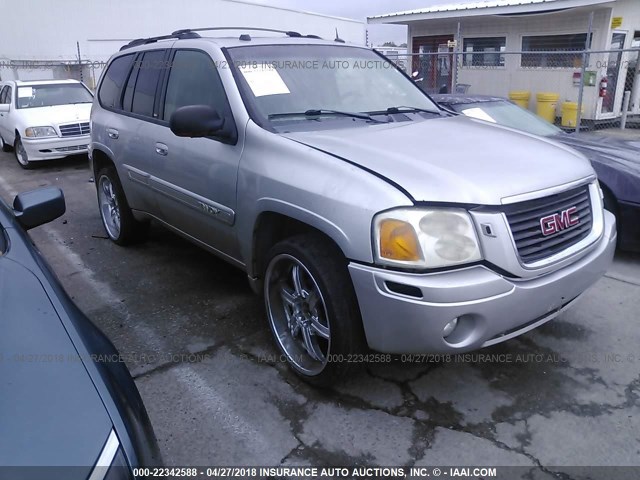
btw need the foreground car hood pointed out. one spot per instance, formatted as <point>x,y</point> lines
<point>57,115</point>
<point>454,159</point>
<point>50,411</point>
<point>617,162</point>
<point>624,153</point>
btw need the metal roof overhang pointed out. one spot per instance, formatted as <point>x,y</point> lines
<point>502,8</point>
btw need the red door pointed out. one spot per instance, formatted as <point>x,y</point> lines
<point>435,65</point>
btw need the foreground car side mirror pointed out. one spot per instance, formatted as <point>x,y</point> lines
<point>198,121</point>
<point>38,207</point>
<point>4,107</point>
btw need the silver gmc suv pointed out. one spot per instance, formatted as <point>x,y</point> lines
<point>367,217</point>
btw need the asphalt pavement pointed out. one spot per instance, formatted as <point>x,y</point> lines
<point>198,345</point>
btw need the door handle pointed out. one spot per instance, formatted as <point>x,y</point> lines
<point>162,149</point>
<point>113,133</point>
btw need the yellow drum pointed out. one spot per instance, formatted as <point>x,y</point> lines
<point>569,114</point>
<point>520,97</point>
<point>547,104</point>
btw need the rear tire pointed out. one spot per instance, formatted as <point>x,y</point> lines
<point>312,309</point>
<point>21,155</point>
<point>117,219</point>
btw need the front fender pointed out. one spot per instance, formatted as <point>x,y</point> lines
<point>333,196</point>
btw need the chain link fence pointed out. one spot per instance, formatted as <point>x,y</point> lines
<point>576,90</point>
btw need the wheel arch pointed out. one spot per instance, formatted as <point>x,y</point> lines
<point>99,160</point>
<point>276,224</point>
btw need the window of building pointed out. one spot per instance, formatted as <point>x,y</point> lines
<point>144,94</point>
<point>113,81</point>
<point>484,52</point>
<point>548,45</point>
<point>194,80</point>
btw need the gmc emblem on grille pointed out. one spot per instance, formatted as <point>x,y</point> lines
<point>559,221</point>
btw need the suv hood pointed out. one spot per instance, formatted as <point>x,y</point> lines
<point>454,159</point>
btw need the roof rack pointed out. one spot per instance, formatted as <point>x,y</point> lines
<point>288,33</point>
<point>144,41</point>
<point>192,33</point>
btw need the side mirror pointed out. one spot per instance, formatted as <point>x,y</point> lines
<point>4,107</point>
<point>197,121</point>
<point>38,207</point>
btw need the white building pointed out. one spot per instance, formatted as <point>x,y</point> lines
<point>398,55</point>
<point>502,26</point>
<point>40,39</point>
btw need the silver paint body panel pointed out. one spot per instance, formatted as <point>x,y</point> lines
<point>337,180</point>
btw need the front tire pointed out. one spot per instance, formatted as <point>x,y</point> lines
<point>4,146</point>
<point>117,219</point>
<point>312,309</point>
<point>21,155</point>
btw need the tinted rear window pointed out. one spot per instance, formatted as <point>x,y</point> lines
<point>114,79</point>
<point>151,66</point>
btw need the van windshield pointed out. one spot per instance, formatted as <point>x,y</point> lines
<point>316,83</point>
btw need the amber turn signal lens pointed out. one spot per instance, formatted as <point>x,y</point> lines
<point>398,241</point>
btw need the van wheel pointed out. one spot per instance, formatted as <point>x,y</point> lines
<point>21,155</point>
<point>4,146</point>
<point>312,309</point>
<point>117,218</point>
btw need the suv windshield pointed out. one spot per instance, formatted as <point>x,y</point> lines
<point>314,83</point>
<point>510,115</point>
<point>33,96</point>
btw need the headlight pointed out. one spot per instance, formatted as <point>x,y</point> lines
<point>425,238</point>
<point>40,132</point>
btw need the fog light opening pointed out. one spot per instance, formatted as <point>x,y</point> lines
<point>449,328</point>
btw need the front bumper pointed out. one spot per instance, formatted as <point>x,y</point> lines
<point>50,148</point>
<point>491,308</point>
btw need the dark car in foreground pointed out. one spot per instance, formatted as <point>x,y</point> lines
<point>68,406</point>
<point>616,161</point>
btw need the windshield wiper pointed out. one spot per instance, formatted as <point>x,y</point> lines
<point>320,112</point>
<point>404,109</point>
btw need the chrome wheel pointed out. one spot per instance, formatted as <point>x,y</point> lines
<point>109,207</point>
<point>21,154</point>
<point>297,314</point>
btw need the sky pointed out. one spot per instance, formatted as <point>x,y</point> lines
<point>360,9</point>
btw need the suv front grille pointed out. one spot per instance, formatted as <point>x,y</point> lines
<point>75,129</point>
<point>526,218</point>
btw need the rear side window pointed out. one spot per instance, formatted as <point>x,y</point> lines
<point>144,93</point>
<point>114,79</point>
<point>194,80</point>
